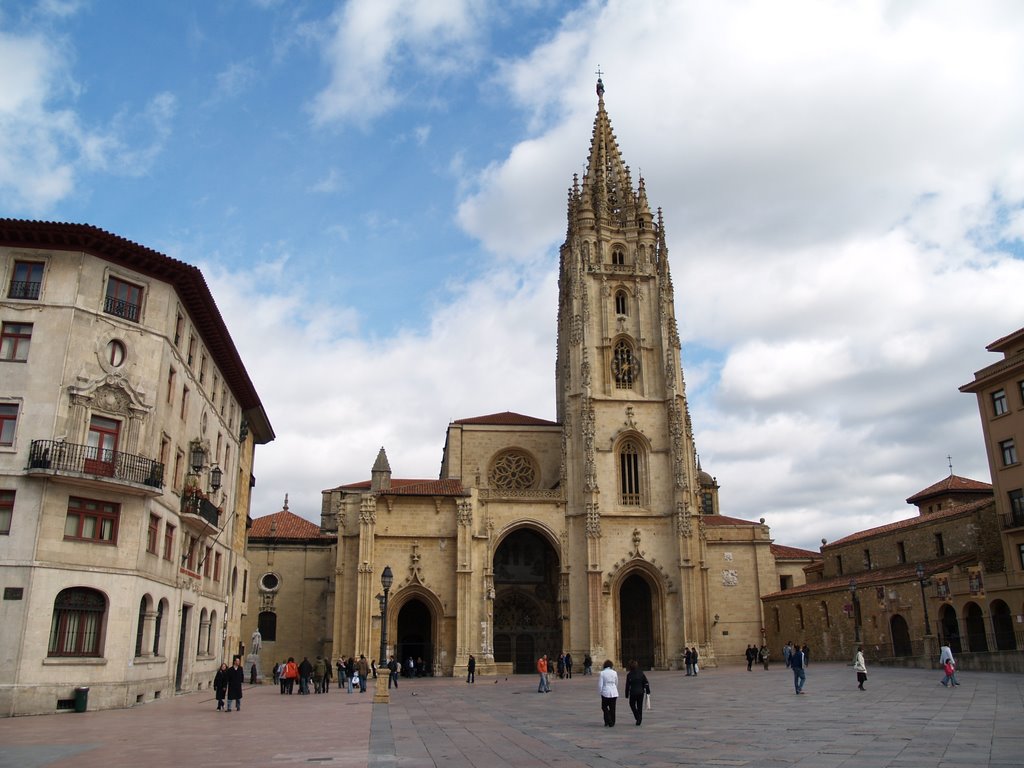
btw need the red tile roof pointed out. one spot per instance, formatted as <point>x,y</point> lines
<point>945,514</point>
<point>285,525</point>
<point>723,520</point>
<point>782,552</point>
<point>407,487</point>
<point>508,418</point>
<point>874,577</point>
<point>952,484</point>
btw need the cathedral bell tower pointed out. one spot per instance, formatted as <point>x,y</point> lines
<point>629,464</point>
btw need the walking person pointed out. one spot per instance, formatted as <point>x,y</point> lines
<point>693,655</point>
<point>588,664</point>
<point>220,685</point>
<point>751,655</point>
<point>328,674</point>
<point>608,685</point>
<point>364,671</point>
<point>688,658</point>
<point>290,675</point>
<point>787,652</point>
<point>471,669</point>
<point>948,664</point>
<point>236,678</point>
<point>860,668</point>
<point>763,655</point>
<point>568,665</point>
<point>393,672</point>
<point>637,688</point>
<point>542,670</point>
<point>797,664</point>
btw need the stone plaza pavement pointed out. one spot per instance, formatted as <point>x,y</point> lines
<point>723,717</point>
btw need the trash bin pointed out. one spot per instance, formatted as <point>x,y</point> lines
<point>81,699</point>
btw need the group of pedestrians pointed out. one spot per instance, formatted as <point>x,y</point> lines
<point>318,675</point>
<point>757,654</point>
<point>638,691</point>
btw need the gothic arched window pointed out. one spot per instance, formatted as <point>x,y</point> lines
<point>621,303</point>
<point>618,257</point>
<point>623,365</point>
<point>630,474</point>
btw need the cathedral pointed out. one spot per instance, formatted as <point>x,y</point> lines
<point>596,533</point>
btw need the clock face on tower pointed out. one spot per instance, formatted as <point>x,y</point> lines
<point>624,366</point>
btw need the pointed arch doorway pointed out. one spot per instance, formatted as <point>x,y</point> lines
<point>526,621</point>
<point>415,638</point>
<point>636,621</point>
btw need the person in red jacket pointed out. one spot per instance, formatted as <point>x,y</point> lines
<point>542,670</point>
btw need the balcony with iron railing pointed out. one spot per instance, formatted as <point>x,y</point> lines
<point>198,513</point>
<point>1013,519</point>
<point>92,466</point>
<point>121,308</point>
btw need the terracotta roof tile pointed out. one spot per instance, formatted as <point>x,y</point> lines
<point>874,577</point>
<point>951,484</point>
<point>285,525</point>
<point>508,418</point>
<point>723,520</point>
<point>427,488</point>
<point>910,522</point>
<point>782,552</point>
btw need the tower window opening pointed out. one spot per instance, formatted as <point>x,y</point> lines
<point>621,305</point>
<point>629,474</point>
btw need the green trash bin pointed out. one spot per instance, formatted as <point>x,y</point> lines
<point>81,699</point>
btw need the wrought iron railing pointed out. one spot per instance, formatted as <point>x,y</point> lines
<point>121,308</point>
<point>1013,519</point>
<point>87,460</point>
<point>23,289</point>
<point>194,503</point>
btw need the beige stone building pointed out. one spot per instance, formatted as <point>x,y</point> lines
<point>999,388</point>
<point>899,589</point>
<point>128,425</point>
<point>595,533</point>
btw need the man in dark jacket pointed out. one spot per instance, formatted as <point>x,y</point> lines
<point>236,677</point>
<point>305,672</point>
<point>636,688</point>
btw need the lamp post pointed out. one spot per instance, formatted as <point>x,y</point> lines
<point>381,693</point>
<point>856,611</point>
<point>924,601</point>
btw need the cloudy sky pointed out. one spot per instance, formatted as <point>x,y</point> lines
<point>376,192</point>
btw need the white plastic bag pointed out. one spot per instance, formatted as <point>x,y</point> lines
<point>647,701</point>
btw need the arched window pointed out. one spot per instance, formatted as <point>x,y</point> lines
<point>778,620</point>
<point>623,365</point>
<point>140,632</point>
<point>158,628</point>
<point>800,616</point>
<point>621,303</point>
<point>77,626</point>
<point>630,474</point>
<point>618,256</point>
<point>268,626</point>
<point>824,613</point>
<point>213,630</point>
<point>203,641</point>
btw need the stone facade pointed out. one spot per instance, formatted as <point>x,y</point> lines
<point>888,587</point>
<point>121,567</point>
<point>595,534</point>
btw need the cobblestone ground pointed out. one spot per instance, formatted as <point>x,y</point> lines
<point>723,717</point>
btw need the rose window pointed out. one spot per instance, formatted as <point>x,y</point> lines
<point>512,471</point>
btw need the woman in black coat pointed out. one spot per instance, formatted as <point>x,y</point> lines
<point>220,685</point>
<point>636,688</point>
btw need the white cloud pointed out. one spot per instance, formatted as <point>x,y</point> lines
<point>373,41</point>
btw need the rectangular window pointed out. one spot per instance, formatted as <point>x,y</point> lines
<point>26,280</point>
<point>179,461</point>
<point>168,541</point>
<point>999,406</point>
<point>14,342</point>
<point>901,552</point>
<point>216,566</point>
<point>190,552</point>
<point>207,562</point>
<point>940,547</point>
<point>123,299</point>
<point>191,350</point>
<point>165,449</point>
<point>1009,451</point>
<point>867,559</point>
<point>839,564</point>
<point>213,390</point>
<point>100,454</point>
<point>184,403</point>
<point>1016,507</point>
<point>6,511</point>
<point>202,367</point>
<point>153,539</point>
<point>1020,385</point>
<point>8,423</point>
<point>179,329</point>
<point>1020,552</point>
<point>170,384</point>
<point>90,520</point>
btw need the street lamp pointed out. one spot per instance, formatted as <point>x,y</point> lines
<point>924,602</point>
<point>856,611</point>
<point>386,580</point>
